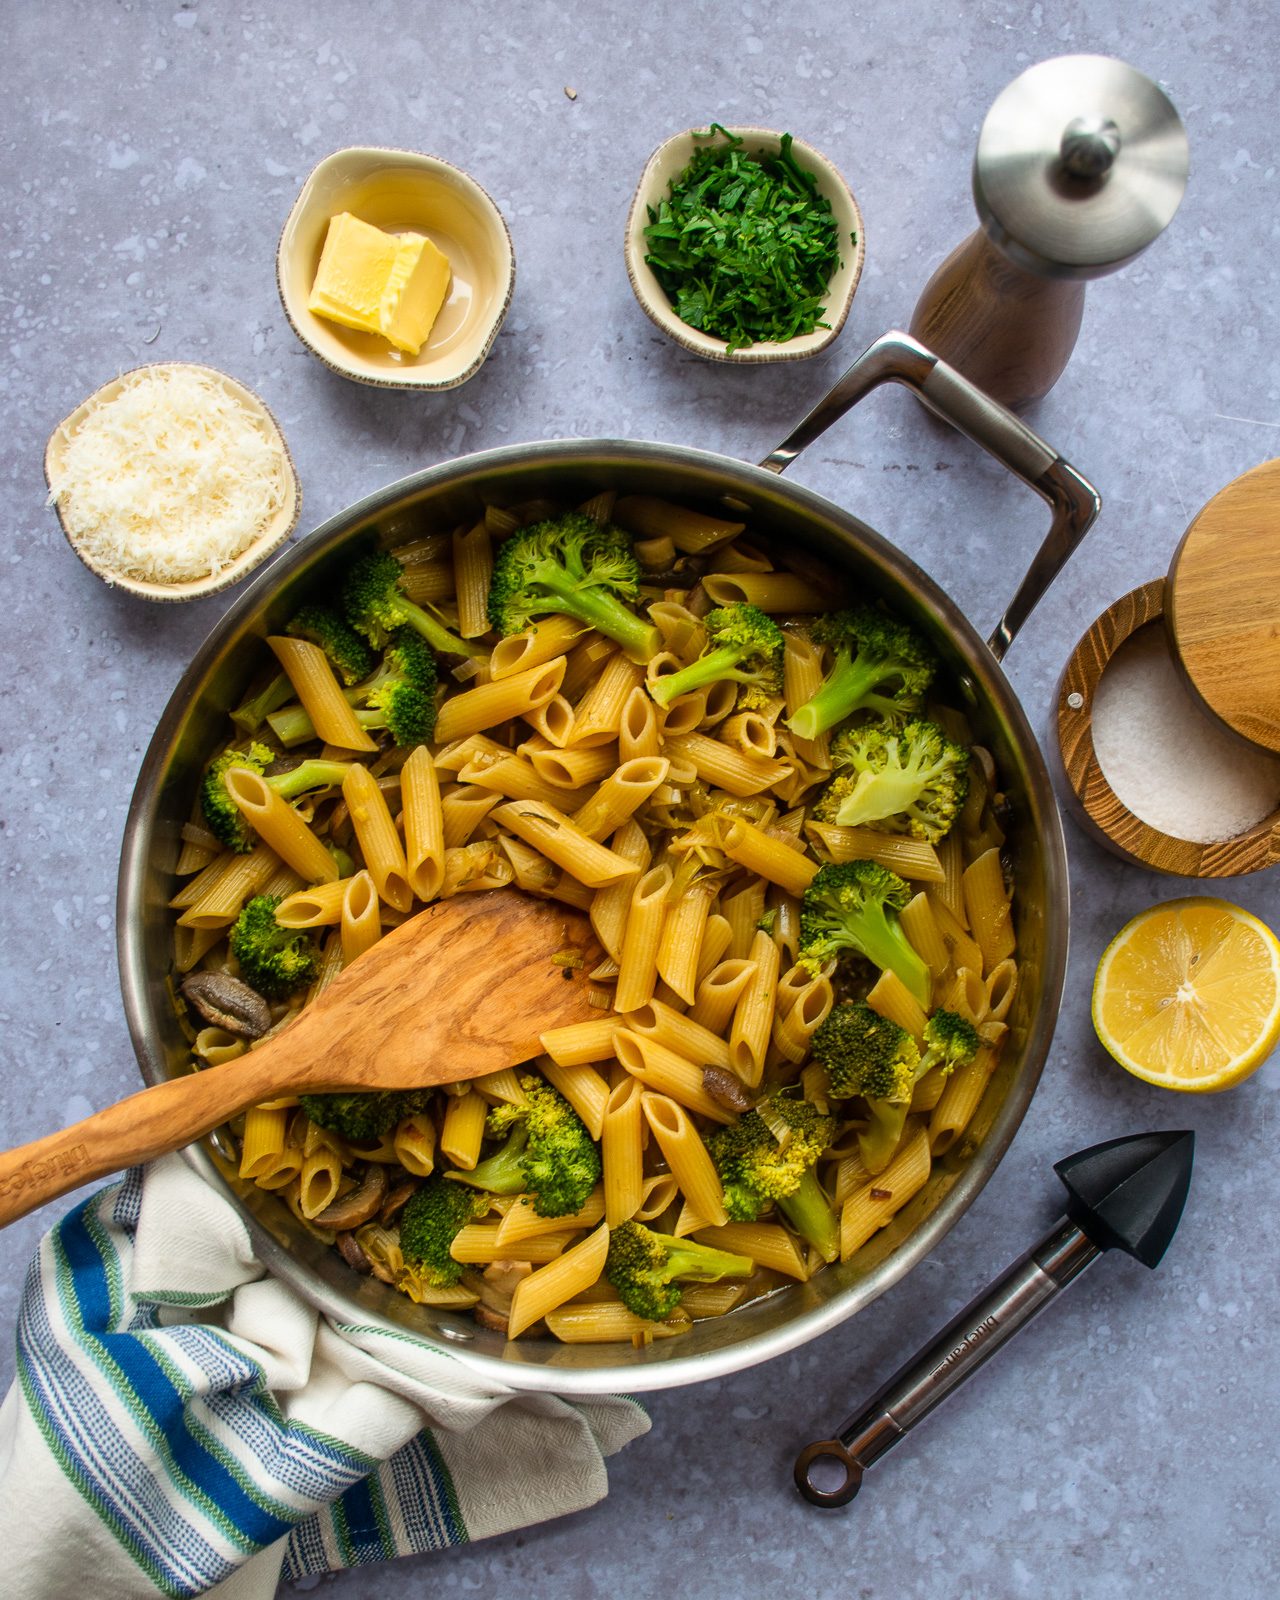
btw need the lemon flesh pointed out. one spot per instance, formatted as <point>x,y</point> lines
<point>1187,995</point>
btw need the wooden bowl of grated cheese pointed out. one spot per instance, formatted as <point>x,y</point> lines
<point>172,481</point>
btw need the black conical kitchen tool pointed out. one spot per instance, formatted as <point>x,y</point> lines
<point>1126,1194</point>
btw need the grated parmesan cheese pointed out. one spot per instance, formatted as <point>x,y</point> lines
<point>171,478</point>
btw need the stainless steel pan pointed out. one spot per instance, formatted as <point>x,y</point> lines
<point>569,471</point>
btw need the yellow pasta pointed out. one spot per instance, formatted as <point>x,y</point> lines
<point>472,569</point>
<point>680,943</point>
<point>521,1221</point>
<point>379,842</point>
<point>623,792</point>
<point>766,1243</point>
<point>891,998</point>
<point>320,906</point>
<point>262,1142</point>
<point>360,924</point>
<point>682,1034</point>
<point>463,1130</point>
<point>543,642</point>
<point>719,993</point>
<point>725,768</point>
<point>743,911</point>
<point>753,1019</point>
<point>474,710</point>
<point>213,1046</point>
<point>609,1322</point>
<point>665,1071</point>
<point>558,839</point>
<point>990,914</point>
<point>515,778</point>
<point>690,531</point>
<point>921,928</point>
<point>960,947</point>
<point>477,1245</point>
<point>555,721</point>
<point>584,1089</point>
<point>423,824</point>
<point>751,733</point>
<point>584,663</point>
<point>462,810</point>
<point>610,906</point>
<point>782,592</point>
<point>622,1152</point>
<point>716,939</point>
<point>870,1207</point>
<point>770,858</point>
<point>638,727</point>
<point>681,1145</point>
<point>308,670</point>
<point>580,1042</point>
<point>428,582</point>
<point>793,1031</point>
<point>279,826</point>
<point>909,858</point>
<point>560,1280</point>
<point>959,1100</point>
<point>571,770</point>
<point>598,715</point>
<point>950,886</point>
<point>414,1144</point>
<point>638,963</point>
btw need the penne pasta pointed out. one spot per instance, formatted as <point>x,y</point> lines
<point>891,998</point>
<point>722,766</point>
<point>666,1072</point>
<point>690,531</point>
<point>987,904</point>
<point>768,1245</point>
<point>719,993</point>
<point>909,858</point>
<point>680,943</point>
<point>560,841</point>
<point>359,924</point>
<point>623,792</point>
<point>463,1130</point>
<point>380,844</point>
<point>546,640</point>
<point>622,1152</point>
<point>753,1019</point>
<point>584,1089</point>
<point>423,819</point>
<point>279,826</point>
<point>686,1155</point>
<point>777,860</point>
<point>959,1100</point>
<point>682,1034</point>
<point>552,1285</point>
<point>598,715</point>
<point>778,592</point>
<point>609,1322</point>
<point>870,1207</point>
<point>472,569</point>
<point>638,963</point>
<point>321,695</point>
<point>474,710</point>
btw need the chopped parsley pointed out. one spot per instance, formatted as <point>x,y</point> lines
<point>745,246</point>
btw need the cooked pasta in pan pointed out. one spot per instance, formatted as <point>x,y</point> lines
<point>753,784</point>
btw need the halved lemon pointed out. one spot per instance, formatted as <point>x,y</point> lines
<point>1187,995</point>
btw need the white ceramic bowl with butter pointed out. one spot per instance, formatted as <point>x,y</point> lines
<point>401,191</point>
<point>667,162</point>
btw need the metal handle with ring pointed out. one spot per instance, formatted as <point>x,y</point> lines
<point>898,358</point>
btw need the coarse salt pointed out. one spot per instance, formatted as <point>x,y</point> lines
<point>1165,759</point>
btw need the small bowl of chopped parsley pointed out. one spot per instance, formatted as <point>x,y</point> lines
<point>744,244</point>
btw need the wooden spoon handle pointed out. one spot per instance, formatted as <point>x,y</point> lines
<point>144,1126</point>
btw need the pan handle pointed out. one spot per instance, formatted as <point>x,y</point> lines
<point>898,358</point>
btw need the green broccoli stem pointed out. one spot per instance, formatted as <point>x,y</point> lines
<point>501,1173</point>
<point>293,726</point>
<point>603,613</point>
<point>879,1139</point>
<point>308,776</point>
<point>809,1212</point>
<point>840,696</point>
<point>701,1263</point>
<point>250,715</point>
<point>882,941</point>
<point>706,669</point>
<point>435,633</point>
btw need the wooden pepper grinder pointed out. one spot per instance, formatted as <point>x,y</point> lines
<point>1081,163</point>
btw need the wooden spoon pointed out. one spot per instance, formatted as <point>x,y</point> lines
<point>462,989</point>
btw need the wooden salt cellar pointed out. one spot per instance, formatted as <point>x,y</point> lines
<point>1081,163</point>
<point>1221,608</point>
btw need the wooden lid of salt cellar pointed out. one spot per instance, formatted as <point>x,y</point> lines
<point>1222,606</point>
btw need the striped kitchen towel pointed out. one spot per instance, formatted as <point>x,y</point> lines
<point>183,1424</point>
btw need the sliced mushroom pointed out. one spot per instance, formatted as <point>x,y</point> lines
<point>361,1205</point>
<point>228,1003</point>
<point>350,1251</point>
<point>393,1205</point>
<point>490,1319</point>
<point>726,1088</point>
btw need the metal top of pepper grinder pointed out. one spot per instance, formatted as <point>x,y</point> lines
<point>1081,163</point>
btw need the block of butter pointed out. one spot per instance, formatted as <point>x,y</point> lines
<point>392,284</point>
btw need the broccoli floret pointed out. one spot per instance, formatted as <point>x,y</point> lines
<point>549,1154</point>
<point>401,696</point>
<point>646,1268</point>
<point>867,1054</point>
<point>250,714</point>
<point>224,817</point>
<point>375,607</point>
<point>366,1114</point>
<point>273,960</point>
<point>950,1041</point>
<point>570,566</point>
<point>768,1155</point>
<point>910,779</point>
<point>349,655</point>
<point>879,664</point>
<point>430,1222</point>
<point>743,645</point>
<point>854,906</point>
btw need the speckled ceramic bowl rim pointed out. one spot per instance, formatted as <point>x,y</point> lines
<point>192,588</point>
<point>358,375</point>
<point>659,311</point>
